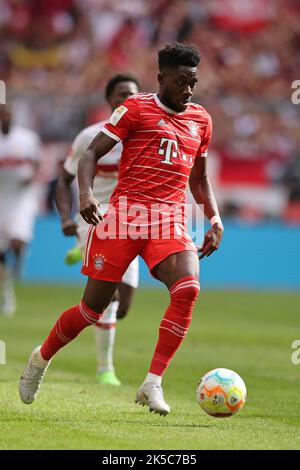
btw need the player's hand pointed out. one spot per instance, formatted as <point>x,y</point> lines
<point>89,209</point>
<point>69,227</point>
<point>212,240</point>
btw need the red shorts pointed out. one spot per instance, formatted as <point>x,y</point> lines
<point>108,259</point>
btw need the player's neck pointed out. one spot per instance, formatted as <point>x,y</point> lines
<point>166,103</point>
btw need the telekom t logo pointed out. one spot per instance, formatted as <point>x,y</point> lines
<point>168,148</point>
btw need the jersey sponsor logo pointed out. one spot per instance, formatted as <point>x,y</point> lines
<point>193,128</point>
<point>117,114</point>
<point>99,261</point>
<point>168,148</point>
<point>161,123</point>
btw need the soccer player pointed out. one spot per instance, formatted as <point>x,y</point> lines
<point>117,90</point>
<point>19,162</point>
<point>165,140</point>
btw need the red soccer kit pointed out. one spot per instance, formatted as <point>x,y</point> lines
<point>159,149</point>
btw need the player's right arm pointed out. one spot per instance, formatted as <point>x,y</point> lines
<point>123,120</point>
<point>99,147</point>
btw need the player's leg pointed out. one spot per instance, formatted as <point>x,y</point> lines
<point>180,273</point>
<point>11,274</point>
<point>7,291</point>
<point>71,322</point>
<point>20,225</point>
<point>106,328</point>
<point>126,294</point>
<point>8,296</point>
<point>105,331</point>
<point>97,296</point>
<point>8,300</point>
<point>126,288</point>
<point>105,262</point>
<point>18,248</point>
<point>5,284</point>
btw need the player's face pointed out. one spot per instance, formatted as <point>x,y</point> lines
<point>121,92</point>
<point>177,85</point>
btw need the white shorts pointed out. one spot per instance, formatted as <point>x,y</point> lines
<point>131,275</point>
<point>17,216</point>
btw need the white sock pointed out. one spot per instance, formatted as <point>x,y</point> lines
<point>153,378</point>
<point>105,338</point>
<point>38,359</point>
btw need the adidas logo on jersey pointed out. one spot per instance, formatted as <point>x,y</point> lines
<point>161,123</point>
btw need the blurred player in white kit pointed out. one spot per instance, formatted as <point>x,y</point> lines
<point>19,163</point>
<point>117,90</point>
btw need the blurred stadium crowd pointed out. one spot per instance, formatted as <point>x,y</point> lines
<point>55,57</point>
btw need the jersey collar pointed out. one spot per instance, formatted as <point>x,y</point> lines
<point>165,108</point>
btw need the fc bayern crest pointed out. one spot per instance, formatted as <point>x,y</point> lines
<point>99,261</point>
<point>193,128</point>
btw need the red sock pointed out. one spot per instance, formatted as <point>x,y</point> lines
<point>68,326</point>
<point>175,324</point>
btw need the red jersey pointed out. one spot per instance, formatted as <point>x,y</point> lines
<point>159,148</point>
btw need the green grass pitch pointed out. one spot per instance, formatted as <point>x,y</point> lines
<point>250,333</point>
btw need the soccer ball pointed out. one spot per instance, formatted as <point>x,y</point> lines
<point>221,393</point>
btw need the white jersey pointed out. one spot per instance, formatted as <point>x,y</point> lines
<point>19,149</point>
<point>104,183</point>
<point>107,169</point>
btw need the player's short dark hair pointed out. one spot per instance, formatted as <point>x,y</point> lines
<point>120,77</point>
<point>175,54</point>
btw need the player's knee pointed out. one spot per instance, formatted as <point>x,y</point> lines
<point>122,311</point>
<point>96,305</point>
<point>185,290</point>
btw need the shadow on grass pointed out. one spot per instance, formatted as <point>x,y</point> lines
<point>163,421</point>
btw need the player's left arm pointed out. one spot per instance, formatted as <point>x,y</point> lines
<point>203,193</point>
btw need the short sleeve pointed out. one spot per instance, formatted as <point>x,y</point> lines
<point>123,120</point>
<point>206,138</point>
<point>78,147</point>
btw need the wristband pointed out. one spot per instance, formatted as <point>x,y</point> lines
<point>216,219</point>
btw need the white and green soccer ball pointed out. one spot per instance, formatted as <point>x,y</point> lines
<point>221,393</point>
